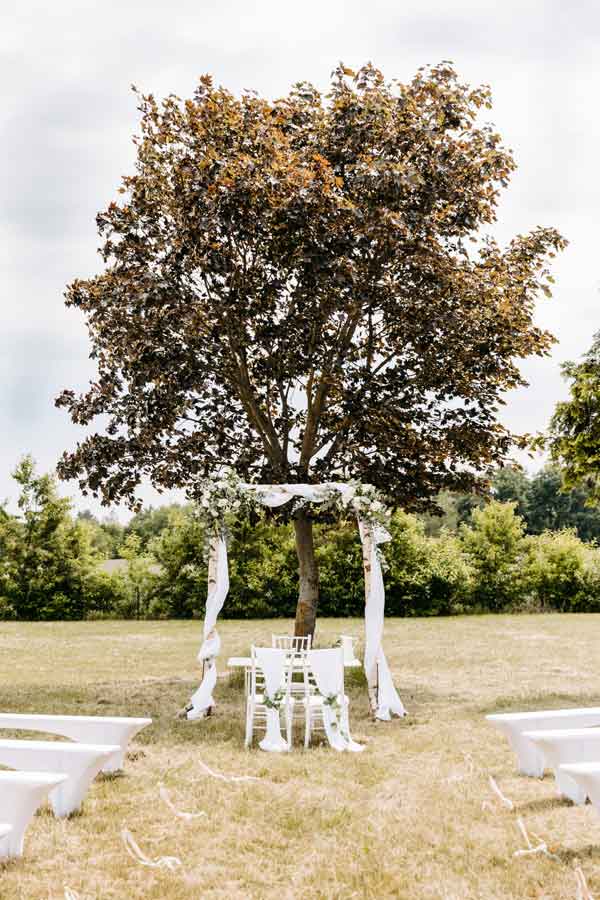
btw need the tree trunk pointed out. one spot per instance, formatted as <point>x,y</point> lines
<point>306,611</point>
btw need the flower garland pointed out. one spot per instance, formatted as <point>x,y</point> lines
<point>333,702</point>
<point>224,495</point>
<point>217,499</point>
<point>364,500</point>
<point>275,701</point>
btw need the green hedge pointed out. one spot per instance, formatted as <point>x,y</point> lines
<point>490,564</point>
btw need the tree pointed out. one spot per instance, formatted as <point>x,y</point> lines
<point>290,288</point>
<point>495,547</point>
<point>553,508</point>
<point>574,434</point>
<point>512,484</point>
<point>179,548</point>
<point>45,558</point>
<point>139,575</point>
<point>106,536</point>
<point>150,522</point>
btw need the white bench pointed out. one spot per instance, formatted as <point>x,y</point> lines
<point>116,730</point>
<point>22,793</point>
<point>587,776</point>
<point>530,760</point>
<point>5,830</point>
<point>79,762</point>
<point>567,745</point>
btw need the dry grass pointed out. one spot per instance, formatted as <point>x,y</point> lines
<point>411,817</point>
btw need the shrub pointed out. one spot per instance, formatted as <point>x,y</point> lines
<point>562,572</point>
<point>105,595</point>
<point>494,545</point>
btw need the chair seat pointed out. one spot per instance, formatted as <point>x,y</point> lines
<point>318,700</point>
<point>259,700</point>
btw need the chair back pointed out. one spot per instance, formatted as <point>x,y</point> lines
<point>271,671</point>
<point>327,666</point>
<point>291,642</point>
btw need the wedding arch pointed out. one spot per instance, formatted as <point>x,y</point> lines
<point>227,494</point>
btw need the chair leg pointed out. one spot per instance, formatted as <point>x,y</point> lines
<point>288,724</point>
<point>249,724</point>
<point>307,729</point>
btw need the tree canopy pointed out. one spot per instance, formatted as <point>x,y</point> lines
<point>574,437</point>
<point>45,557</point>
<point>289,287</point>
<point>300,289</point>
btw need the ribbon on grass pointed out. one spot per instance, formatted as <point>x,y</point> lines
<point>160,862</point>
<point>508,804</point>
<point>230,779</point>
<point>541,848</point>
<point>583,891</point>
<point>186,816</point>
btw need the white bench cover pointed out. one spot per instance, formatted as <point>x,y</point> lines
<point>567,745</point>
<point>530,760</point>
<point>20,795</point>
<point>116,730</point>
<point>587,776</point>
<point>79,762</point>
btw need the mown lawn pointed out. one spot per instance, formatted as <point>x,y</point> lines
<point>411,817</point>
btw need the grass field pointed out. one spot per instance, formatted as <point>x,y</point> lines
<point>411,817</point>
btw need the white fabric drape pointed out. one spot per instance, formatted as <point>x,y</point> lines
<point>202,700</point>
<point>328,668</point>
<point>375,663</point>
<point>272,662</point>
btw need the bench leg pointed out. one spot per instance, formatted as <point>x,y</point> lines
<point>68,797</point>
<point>529,759</point>
<point>116,762</point>
<point>593,792</point>
<point>570,788</point>
<point>19,814</point>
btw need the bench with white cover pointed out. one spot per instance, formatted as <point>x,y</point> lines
<point>21,793</point>
<point>530,759</point>
<point>567,745</point>
<point>79,762</point>
<point>587,776</point>
<point>5,830</point>
<point>117,730</point>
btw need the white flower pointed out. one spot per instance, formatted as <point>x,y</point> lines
<point>222,503</point>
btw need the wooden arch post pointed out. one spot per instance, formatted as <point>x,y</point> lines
<point>367,548</point>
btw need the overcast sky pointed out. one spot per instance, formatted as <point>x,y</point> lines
<point>68,114</point>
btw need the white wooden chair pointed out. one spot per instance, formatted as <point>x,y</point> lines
<point>530,759</point>
<point>21,794</point>
<point>313,700</point>
<point>257,710</point>
<point>291,642</point>
<point>117,730</point>
<point>567,745</point>
<point>297,648</point>
<point>79,762</point>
